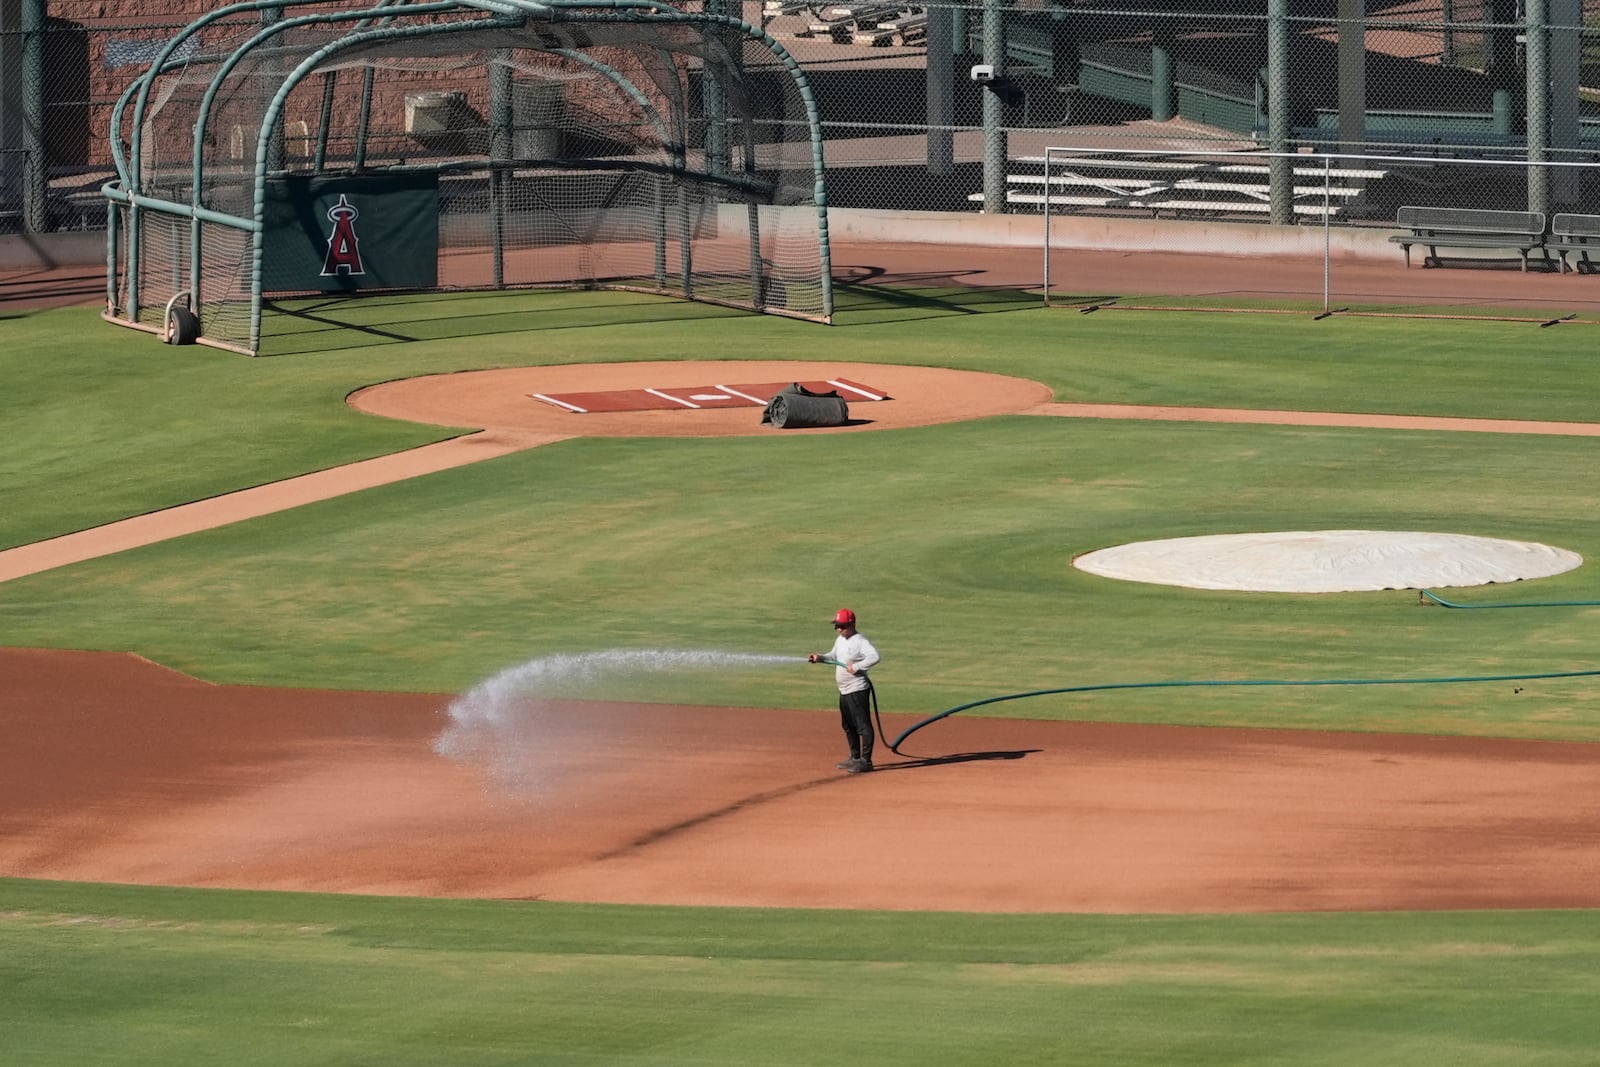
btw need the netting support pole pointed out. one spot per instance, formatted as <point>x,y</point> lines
<point>1500,33</point>
<point>35,165</point>
<point>715,101</point>
<point>1048,168</point>
<point>1565,49</point>
<point>113,222</point>
<point>686,244</point>
<point>133,260</point>
<point>329,89</point>
<point>994,134</point>
<point>196,236</point>
<point>500,151</point>
<point>1280,169</point>
<point>941,89</point>
<point>1537,58</point>
<point>1352,51</point>
<point>272,69</point>
<point>1163,84</point>
<point>358,155</point>
<point>660,237</point>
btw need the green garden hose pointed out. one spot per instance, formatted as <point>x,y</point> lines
<point>894,746</point>
<point>1424,595</point>
<point>877,717</point>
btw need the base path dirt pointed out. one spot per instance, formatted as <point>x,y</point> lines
<point>118,770</point>
<point>257,501</point>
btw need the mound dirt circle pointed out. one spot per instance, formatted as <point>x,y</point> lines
<point>503,400</point>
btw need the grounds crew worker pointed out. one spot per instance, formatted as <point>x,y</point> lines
<point>852,657</point>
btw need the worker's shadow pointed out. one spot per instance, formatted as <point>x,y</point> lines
<point>908,762</point>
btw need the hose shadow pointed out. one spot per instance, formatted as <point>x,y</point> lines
<point>908,763</point>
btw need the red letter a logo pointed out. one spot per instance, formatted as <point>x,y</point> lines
<point>344,248</point>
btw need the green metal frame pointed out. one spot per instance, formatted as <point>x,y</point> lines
<point>374,23</point>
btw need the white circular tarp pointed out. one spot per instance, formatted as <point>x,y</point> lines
<point>1328,561</point>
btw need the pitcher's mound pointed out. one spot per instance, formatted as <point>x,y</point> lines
<point>504,399</point>
<point>1328,561</point>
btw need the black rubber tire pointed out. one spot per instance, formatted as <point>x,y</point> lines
<point>182,326</point>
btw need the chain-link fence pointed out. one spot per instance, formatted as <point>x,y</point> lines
<point>1348,209</point>
<point>931,107</point>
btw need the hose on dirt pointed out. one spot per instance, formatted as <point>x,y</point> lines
<point>894,746</point>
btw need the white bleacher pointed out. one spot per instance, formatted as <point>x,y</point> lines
<point>843,23</point>
<point>1201,186</point>
<point>1136,188</point>
<point>1130,163</point>
<point>907,27</point>
<point>1188,207</point>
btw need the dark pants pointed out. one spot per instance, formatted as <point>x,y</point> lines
<point>855,714</point>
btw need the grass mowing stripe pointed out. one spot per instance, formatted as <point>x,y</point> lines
<point>129,975</point>
<point>434,584</point>
<point>135,426</point>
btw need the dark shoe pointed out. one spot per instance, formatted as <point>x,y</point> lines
<point>860,766</point>
<point>847,764</point>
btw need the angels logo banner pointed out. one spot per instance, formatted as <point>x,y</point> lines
<point>343,234</point>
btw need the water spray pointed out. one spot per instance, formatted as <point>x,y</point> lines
<point>507,722</point>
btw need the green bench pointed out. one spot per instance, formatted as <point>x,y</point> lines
<point>1458,227</point>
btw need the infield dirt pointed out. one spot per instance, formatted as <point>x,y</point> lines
<point>118,770</point>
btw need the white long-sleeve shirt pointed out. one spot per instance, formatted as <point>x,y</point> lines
<point>857,650</point>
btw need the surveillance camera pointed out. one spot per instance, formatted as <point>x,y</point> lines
<point>983,73</point>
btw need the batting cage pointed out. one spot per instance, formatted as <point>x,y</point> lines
<point>281,148</point>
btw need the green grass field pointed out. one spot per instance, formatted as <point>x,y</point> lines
<point>955,545</point>
<point>160,976</point>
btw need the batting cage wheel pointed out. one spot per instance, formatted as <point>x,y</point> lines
<point>343,147</point>
<point>182,326</point>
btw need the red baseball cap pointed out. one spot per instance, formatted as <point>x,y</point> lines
<point>844,617</point>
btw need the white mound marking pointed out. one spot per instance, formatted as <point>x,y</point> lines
<point>1328,561</point>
